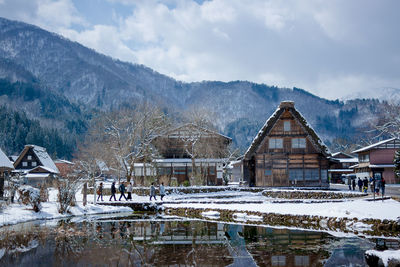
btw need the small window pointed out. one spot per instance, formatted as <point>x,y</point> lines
<point>34,163</point>
<point>275,143</point>
<point>298,143</point>
<point>29,157</point>
<point>24,164</point>
<point>286,126</point>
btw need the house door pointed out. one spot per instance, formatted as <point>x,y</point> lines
<point>279,177</point>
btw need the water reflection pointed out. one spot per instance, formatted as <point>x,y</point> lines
<point>132,241</point>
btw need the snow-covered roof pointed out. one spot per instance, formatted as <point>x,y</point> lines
<point>366,148</point>
<point>269,124</point>
<point>42,167</point>
<point>44,158</point>
<point>41,154</point>
<point>37,175</point>
<point>186,160</point>
<point>186,125</point>
<point>334,155</point>
<point>4,161</point>
<point>63,161</point>
<point>340,170</point>
<point>346,160</point>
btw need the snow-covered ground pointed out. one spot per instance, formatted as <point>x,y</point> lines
<point>358,208</point>
<point>18,213</point>
<point>351,208</point>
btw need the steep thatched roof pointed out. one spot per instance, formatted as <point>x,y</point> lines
<point>270,123</point>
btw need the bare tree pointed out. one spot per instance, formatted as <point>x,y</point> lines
<point>128,135</point>
<point>388,124</point>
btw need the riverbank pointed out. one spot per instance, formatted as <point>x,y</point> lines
<point>19,213</point>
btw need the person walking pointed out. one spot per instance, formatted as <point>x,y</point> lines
<point>152,192</point>
<point>162,191</point>
<point>353,184</point>
<point>113,191</point>
<point>383,184</point>
<point>365,183</point>
<point>129,190</point>
<point>100,192</point>
<point>360,184</point>
<point>121,189</point>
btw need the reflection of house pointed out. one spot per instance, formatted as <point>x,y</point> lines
<point>177,147</point>
<point>287,152</point>
<point>5,168</point>
<point>341,163</point>
<point>29,161</point>
<point>376,160</point>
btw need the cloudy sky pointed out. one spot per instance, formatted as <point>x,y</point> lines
<point>332,48</point>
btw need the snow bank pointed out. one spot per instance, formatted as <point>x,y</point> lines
<point>210,214</point>
<point>385,256</point>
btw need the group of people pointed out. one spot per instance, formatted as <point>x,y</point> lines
<point>376,185</point>
<point>122,189</point>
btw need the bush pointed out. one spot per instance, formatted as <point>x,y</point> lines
<point>30,195</point>
<point>186,183</point>
<point>66,194</point>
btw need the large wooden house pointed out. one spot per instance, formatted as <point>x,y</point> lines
<point>287,153</point>
<point>35,165</point>
<point>182,145</point>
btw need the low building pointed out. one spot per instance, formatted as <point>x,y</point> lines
<point>31,157</point>
<point>287,152</point>
<point>65,167</point>
<point>376,160</point>
<point>340,166</point>
<point>5,169</point>
<point>188,145</point>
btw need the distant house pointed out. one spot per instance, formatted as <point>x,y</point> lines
<point>287,152</point>
<point>5,169</point>
<point>30,159</point>
<point>376,160</point>
<point>175,161</point>
<point>64,167</point>
<point>340,165</point>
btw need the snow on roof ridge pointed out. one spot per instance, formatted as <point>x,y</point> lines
<point>44,157</point>
<point>5,161</point>
<point>374,145</point>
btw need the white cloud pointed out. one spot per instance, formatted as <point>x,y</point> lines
<point>330,48</point>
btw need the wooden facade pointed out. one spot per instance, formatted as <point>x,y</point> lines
<point>287,152</point>
<point>376,161</point>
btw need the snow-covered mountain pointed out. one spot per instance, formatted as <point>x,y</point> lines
<point>84,80</point>
<point>389,94</point>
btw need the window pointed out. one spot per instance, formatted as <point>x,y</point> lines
<point>324,175</point>
<point>298,143</point>
<point>286,126</point>
<point>301,260</point>
<point>211,170</point>
<point>29,157</point>
<point>278,260</point>
<point>24,164</point>
<point>275,143</point>
<point>311,174</point>
<point>34,163</point>
<point>179,170</point>
<point>295,174</point>
<point>364,158</point>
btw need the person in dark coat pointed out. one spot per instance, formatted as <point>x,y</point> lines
<point>100,192</point>
<point>383,184</point>
<point>360,184</point>
<point>152,192</point>
<point>353,183</point>
<point>113,191</point>
<point>365,183</point>
<point>122,191</point>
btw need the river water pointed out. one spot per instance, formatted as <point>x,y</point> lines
<point>142,240</point>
